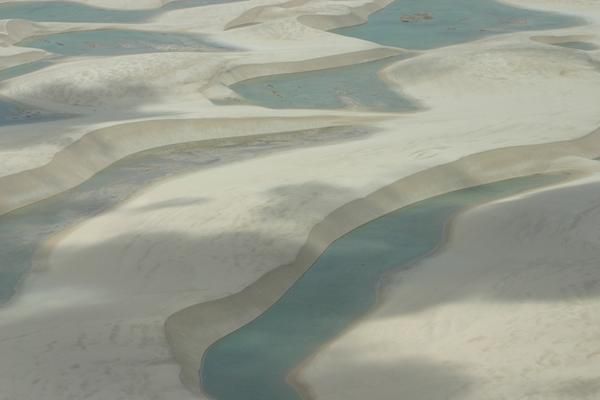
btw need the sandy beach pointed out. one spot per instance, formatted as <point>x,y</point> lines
<point>123,302</point>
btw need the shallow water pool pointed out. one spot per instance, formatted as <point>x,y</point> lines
<point>355,86</point>
<point>426,24</point>
<point>253,362</point>
<point>110,42</point>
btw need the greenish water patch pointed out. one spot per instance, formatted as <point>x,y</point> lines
<point>253,362</point>
<point>23,69</point>
<point>587,46</point>
<point>427,24</point>
<point>357,85</point>
<point>23,230</point>
<point>12,113</point>
<point>110,42</point>
<point>63,11</point>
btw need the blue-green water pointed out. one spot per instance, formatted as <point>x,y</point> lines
<point>110,42</point>
<point>252,363</point>
<point>63,11</point>
<point>22,230</point>
<point>23,69</point>
<point>356,85</point>
<point>12,112</point>
<point>452,22</point>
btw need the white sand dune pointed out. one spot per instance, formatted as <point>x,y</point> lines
<point>115,4</point>
<point>99,149</point>
<point>88,321</point>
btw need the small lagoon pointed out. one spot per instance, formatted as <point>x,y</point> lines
<point>253,362</point>
<point>111,42</point>
<point>354,86</point>
<point>427,24</point>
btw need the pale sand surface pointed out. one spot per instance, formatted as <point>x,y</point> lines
<point>115,4</point>
<point>87,323</point>
<point>506,310</point>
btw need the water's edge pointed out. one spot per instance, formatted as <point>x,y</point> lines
<point>339,288</point>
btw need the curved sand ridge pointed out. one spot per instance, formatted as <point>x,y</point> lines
<point>358,15</point>
<point>209,77</point>
<point>100,248</point>
<point>29,90</point>
<point>414,76</point>
<point>91,85</point>
<point>191,331</point>
<point>329,18</point>
<point>281,46</point>
<point>209,73</point>
<point>13,31</point>
<point>580,41</point>
<point>217,18</point>
<point>253,300</point>
<point>214,17</point>
<point>98,149</point>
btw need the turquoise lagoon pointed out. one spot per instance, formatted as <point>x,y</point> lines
<point>23,69</point>
<point>110,42</point>
<point>253,362</point>
<point>23,230</point>
<point>64,11</point>
<point>435,23</point>
<point>357,85</point>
